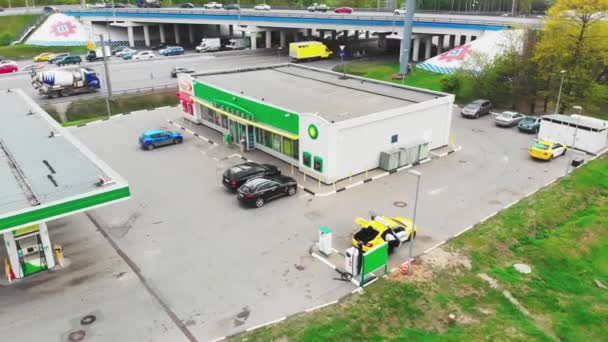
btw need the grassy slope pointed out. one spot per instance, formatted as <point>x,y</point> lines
<point>418,78</point>
<point>84,111</point>
<point>561,232</point>
<point>29,51</point>
<point>12,25</point>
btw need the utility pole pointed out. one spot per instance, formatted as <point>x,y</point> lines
<point>107,72</point>
<point>559,93</point>
<point>513,8</point>
<point>406,41</point>
<point>412,236</point>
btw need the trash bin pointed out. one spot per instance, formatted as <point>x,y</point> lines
<point>325,241</point>
<point>577,162</point>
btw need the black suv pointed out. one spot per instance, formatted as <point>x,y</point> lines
<point>237,175</point>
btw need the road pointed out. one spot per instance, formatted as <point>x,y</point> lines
<point>127,75</point>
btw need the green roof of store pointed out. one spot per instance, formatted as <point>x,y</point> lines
<point>45,173</point>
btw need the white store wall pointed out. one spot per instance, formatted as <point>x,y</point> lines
<point>586,140</point>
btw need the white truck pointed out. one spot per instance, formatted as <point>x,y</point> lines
<point>65,82</point>
<point>97,54</point>
<point>209,45</point>
<point>238,43</point>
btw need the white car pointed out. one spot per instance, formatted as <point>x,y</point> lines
<point>99,5</point>
<point>144,55</point>
<point>400,11</point>
<point>213,5</point>
<point>262,7</point>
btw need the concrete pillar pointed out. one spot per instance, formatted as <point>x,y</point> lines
<point>147,35</point>
<point>428,43</point>
<point>282,38</point>
<point>218,28</point>
<point>161,30</point>
<point>191,34</point>
<point>440,44</point>
<point>457,39</point>
<point>130,34</point>
<point>254,40</point>
<point>467,39</point>
<point>366,34</point>
<point>382,41</point>
<point>176,32</point>
<point>416,50</point>
<point>356,34</point>
<point>446,41</point>
<point>452,41</point>
<point>268,39</point>
<point>230,30</point>
<point>295,36</point>
<point>309,32</point>
<point>333,35</point>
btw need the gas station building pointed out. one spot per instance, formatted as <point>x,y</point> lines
<point>45,174</point>
<point>329,126</point>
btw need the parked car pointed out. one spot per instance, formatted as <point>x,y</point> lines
<point>237,175</point>
<point>343,10</point>
<point>317,8</point>
<point>54,58</point>
<point>380,229</point>
<point>172,51</point>
<point>235,7</point>
<point>118,49</point>
<point>187,5</point>
<point>262,7</point>
<point>7,66</point>
<point>159,46</point>
<point>530,124</point>
<point>49,9</point>
<point>547,150</point>
<point>116,5</point>
<point>98,5</point>
<point>124,52</point>
<point>158,137</point>
<point>43,57</point>
<point>508,119</point>
<point>177,70</point>
<point>212,5</point>
<point>261,190</point>
<point>476,108</point>
<point>400,11</point>
<point>67,60</point>
<point>146,54</point>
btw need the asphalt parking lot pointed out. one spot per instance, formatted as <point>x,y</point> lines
<point>221,268</point>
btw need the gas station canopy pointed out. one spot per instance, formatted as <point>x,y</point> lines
<point>45,173</point>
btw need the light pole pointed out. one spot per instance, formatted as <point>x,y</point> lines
<point>107,72</point>
<point>342,61</point>
<point>406,39</point>
<point>559,93</point>
<point>413,237</point>
<point>579,111</point>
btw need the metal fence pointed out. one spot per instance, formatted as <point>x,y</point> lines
<point>101,95</point>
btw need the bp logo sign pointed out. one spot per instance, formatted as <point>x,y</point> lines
<point>313,131</point>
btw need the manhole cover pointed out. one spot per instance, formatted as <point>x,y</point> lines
<point>88,319</point>
<point>400,204</point>
<point>77,335</point>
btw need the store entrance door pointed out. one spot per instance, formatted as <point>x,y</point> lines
<point>242,133</point>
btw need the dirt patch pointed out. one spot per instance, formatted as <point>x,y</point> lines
<point>425,266</point>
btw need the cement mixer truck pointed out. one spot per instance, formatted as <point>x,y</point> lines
<point>65,82</point>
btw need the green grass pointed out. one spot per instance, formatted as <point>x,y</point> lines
<point>23,51</point>
<point>561,232</point>
<point>83,111</point>
<point>418,78</point>
<point>12,25</point>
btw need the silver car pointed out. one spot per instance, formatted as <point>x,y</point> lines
<point>476,109</point>
<point>508,119</point>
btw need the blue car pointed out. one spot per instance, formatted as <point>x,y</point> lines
<point>158,137</point>
<point>172,51</point>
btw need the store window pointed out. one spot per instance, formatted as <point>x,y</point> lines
<point>394,138</point>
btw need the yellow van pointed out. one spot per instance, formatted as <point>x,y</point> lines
<point>301,51</point>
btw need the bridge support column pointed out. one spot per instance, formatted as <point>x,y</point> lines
<point>452,41</point>
<point>176,33</point>
<point>333,35</point>
<point>416,50</point>
<point>428,43</point>
<point>309,32</point>
<point>382,41</point>
<point>356,34</point>
<point>254,40</point>
<point>161,31</point>
<point>440,44</point>
<point>190,33</point>
<point>268,39</point>
<point>147,35</point>
<point>282,39</point>
<point>467,39</point>
<point>446,42</point>
<point>230,30</point>
<point>218,29</point>
<point>130,34</point>
<point>366,34</point>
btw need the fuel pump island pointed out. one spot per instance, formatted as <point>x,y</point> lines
<point>45,174</point>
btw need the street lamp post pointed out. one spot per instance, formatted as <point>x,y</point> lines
<point>579,111</point>
<point>413,237</point>
<point>406,38</point>
<point>342,61</point>
<point>559,93</point>
<point>107,74</point>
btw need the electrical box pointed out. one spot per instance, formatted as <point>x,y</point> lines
<point>325,241</point>
<point>318,164</point>
<point>389,160</point>
<point>352,263</point>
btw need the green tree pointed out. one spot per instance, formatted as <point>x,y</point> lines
<point>575,39</point>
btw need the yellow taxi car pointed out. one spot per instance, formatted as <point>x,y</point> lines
<point>380,229</point>
<point>43,57</point>
<point>547,150</point>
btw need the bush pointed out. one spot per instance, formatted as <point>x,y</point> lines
<point>450,84</point>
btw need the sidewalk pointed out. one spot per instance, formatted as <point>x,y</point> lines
<point>306,183</point>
